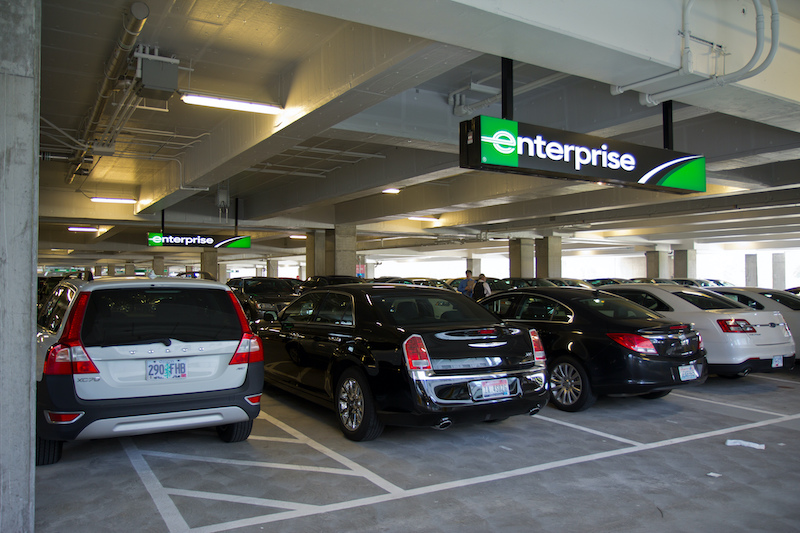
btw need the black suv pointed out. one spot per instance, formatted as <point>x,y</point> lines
<point>262,296</point>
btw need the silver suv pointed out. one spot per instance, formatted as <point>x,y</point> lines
<point>128,356</point>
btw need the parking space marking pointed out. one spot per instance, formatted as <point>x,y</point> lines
<point>236,498</point>
<point>772,378</point>
<point>262,464</point>
<point>339,458</point>
<point>166,507</point>
<point>500,476</point>
<point>741,407</point>
<point>589,430</point>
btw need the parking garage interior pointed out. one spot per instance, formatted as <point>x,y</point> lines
<point>360,166</point>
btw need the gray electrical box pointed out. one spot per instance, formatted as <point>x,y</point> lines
<point>159,79</point>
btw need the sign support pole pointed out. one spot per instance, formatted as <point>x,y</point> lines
<point>507,88</point>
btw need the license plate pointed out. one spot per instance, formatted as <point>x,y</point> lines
<point>166,369</point>
<point>688,372</point>
<point>777,361</point>
<point>496,388</point>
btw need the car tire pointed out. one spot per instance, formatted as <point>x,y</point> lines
<point>236,432</point>
<point>48,452</point>
<point>355,407</point>
<point>656,394</point>
<point>570,389</point>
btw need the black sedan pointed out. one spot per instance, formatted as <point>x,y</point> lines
<point>598,343</point>
<point>403,355</point>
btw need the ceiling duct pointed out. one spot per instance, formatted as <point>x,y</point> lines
<point>133,22</point>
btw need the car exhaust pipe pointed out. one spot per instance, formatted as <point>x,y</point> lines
<point>534,411</point>
<point>443,424</point>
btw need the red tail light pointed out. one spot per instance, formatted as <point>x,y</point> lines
<point>634,342</point>
<point>736,325</point>
<point>538,347</point>
<point>255,399</point>
<point>61,418</point>
<point>248,351</point>
<point>416,353</point>
<point>69,356</point>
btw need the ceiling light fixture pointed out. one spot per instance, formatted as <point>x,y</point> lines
<point>82,228</point>
<point>298,237</point>
<point>228,103</point>
<point>424,219</point>
<point>391,191</point>
<point>113,200</point>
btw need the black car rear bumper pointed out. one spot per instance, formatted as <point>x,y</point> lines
<point>636,374</point>
<point>443,400</point>
<point>129,416</point>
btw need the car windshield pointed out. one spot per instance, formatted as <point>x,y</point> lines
<point>117,317</point>
<point>618,308</point>
<point>411,308</point>
<point>707,301</point>
<point>266,286</point>
<point>789,300</point>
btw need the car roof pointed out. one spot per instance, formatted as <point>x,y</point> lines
<point>124,282</point>
<point>380,287</point>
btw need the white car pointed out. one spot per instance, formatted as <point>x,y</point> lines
<point>128,356</point>
<point>738,340</point>
<point>770,300</point>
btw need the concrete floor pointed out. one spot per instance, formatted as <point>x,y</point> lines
<point>626,464</point>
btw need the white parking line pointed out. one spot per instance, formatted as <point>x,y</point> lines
<point>772,378</point>
<point>724,404</point>
<point>588,430</point>
<point>485,479</point>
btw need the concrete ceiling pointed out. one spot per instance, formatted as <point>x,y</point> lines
<point>373,93</point>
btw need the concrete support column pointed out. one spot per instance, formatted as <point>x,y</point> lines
<point>158,265</point>
<point>548,257</point>
<point>657,264</point>
<point>208,261</point>
<point>344,250</point>
<point>751,270</point>
<point>301,272</point>
<point>130,268</point>
<point>315,253</point>
<point>369,270</point>
<point>779,271</point>
<point>521,258</point>
<point>474,264</point>
<point>259,271</point>
<point>112,269</point>
<point>685,263</point>
<point>98,270</point>
<point>272,268</point>
<point>20,23</point>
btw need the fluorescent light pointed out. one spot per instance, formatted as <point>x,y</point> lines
<point>391,191</point>
<point>424,219</point>
<point>298,237</point>
<point>227,103</point>
<point>82,228</point>
<point>113,200</point>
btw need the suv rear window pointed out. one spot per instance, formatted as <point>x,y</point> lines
<point>139,316</point>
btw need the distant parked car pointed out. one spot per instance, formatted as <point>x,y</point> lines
<point>738,340</point>
<point>569,282</point>
<point>426,282</point>
<point>794,290</point>
<point>127,356</point>
<point>768,299</point>
<point>694,282</point>
<point>654,281</point>
<point>262,295</point>
<point>529,282</point>
<point>598,343</point>
<point>597,282</point>
<point>315,282</point>
<point>404,355</point>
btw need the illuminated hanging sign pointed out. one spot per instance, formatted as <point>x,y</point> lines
<point>499,145</point>
<point>207,241</point>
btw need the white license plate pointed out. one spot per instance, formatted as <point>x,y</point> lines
<point>496,388</point>
<point>688,372</point>
<point>166,369</point>
<point>777,361</point>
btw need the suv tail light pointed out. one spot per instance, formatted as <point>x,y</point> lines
<point>416,353</point>
<point>68,356</point>
<point>248,351</point>
<point>736,325</point>
<point>634,342</point>
<point>538,347</point>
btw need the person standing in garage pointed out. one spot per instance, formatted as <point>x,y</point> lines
<point>482,289</point>
<point>467,284</point>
